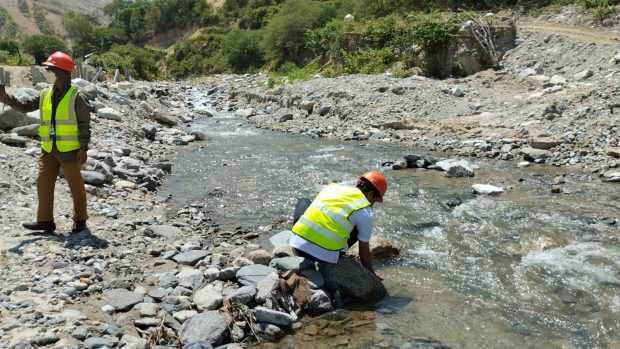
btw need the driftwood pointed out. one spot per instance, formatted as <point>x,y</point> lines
<point>480,30</point>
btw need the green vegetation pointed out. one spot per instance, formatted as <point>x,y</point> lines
<point>42,46</point>
<point>8,27</point>
<point>39,17</point>
<point>288,39</point>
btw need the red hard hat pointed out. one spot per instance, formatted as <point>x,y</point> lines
<point>378,181</point>
<point>60,60</point>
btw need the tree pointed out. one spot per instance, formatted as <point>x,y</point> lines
<point>42,46</point>
<point>243,51</point>
<point>285,34</point>
<point>80,28</point>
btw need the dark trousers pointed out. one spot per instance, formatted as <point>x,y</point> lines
<point>301,207</point>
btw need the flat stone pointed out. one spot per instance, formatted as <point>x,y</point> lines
<point>486,189</point>
<point>96,343</point>
<point>613,151</point>
<point>122,299</point>
<point>110,114</point>
<point>190,257</point>
<point>93,178</point>
<point>543,142</point>
<point>273,317</point>
<point>242,295</point>
<point>280,239</point>
<point>251,275</point>
<point>210,326</point>
<point>292,263</point>
<point>164,231</point>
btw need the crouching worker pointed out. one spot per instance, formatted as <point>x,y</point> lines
<point>65,134</point>
<point>338,217</point>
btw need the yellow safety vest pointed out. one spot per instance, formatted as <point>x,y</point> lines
<point>326,222</point>
<point>66,130</point>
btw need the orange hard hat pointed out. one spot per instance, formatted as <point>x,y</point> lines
<point>60,60</point>
<point>378,181</point>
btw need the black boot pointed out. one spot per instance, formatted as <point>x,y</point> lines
<point>79,226</point>
<point>47,227</point>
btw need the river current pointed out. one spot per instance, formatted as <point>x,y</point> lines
<point>524,269</point>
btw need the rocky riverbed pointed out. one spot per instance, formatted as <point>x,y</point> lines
<point>147,275</point>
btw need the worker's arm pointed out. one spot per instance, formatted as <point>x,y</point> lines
<point>28,106</point>
<point>366,258</point>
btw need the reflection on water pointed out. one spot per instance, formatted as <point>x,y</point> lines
<point>526,269</point>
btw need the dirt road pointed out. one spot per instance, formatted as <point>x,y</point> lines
<point>578,33</point>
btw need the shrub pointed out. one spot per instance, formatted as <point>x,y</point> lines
<point>140,62</point>
<point>369,61</point>
<point>243,50</point>
<point>430,30</point>
<point>42,46</point>
<point>285,33</point>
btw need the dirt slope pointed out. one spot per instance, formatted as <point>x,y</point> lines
<point>55,9</point>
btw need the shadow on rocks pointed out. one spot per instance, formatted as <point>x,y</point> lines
<point>76,240</point>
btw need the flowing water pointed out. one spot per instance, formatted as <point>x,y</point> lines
<point>525,269</point>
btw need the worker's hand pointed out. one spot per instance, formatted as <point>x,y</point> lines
<point>82,157</point>
<point>377,275</point>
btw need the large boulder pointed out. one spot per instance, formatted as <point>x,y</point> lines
<point>11,118</point>
<point>350,278</point>
<point>210,326</point>
<point>379,248</point>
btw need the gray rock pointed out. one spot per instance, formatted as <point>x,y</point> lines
<point>93,178</point>
<point>190,257</point>
<point>96,342</point>
<point>210,326</point>
<point>159,294</point>
<point>164,231</point>
<point>242,295</point>
<point>267,285</point>
<point>307,106</point>
<point>209,297</point>
<point>260,257</point>
<point>286,117</point>
<point>281,238</point>
<point>245,113</point>
<point>27,131</point>
<point>531,154</point>
<point>351,279</point>
<point>11,118</point>
<point>251,275</point>
<point>273,317</point>
<point>13,139</point>
<point>190,278</point>
<point>169,120</point>
<point>292,263</point>
<point>544,142</point>
<point>122,299</point>
<point>314,277</point>
<point>110,114</point>
<point>320,302</point>
<point>583,75</point>
<point>167,280</point>
<point>325,108</point>
<point>268,332</point>
<point>148,309</point>
<point>198,345</point>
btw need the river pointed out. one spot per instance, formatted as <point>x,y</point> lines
<point>525,269</point>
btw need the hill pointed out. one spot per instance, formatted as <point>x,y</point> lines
<point>28,14</point>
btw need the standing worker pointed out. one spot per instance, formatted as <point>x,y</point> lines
<point>65,133</point>
<point>338,217</point>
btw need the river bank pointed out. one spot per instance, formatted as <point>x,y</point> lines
<point>81,290</point>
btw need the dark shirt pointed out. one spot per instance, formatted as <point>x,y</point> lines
<point>82,114</point>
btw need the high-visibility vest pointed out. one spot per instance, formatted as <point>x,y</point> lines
<point>66,130</point>
<point>326,221</point>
